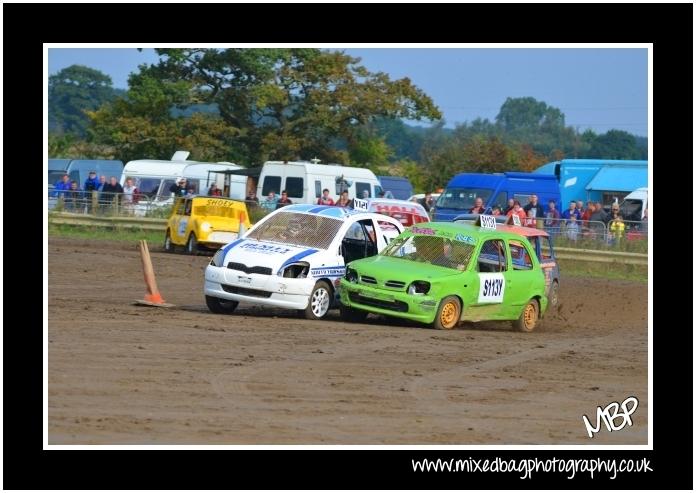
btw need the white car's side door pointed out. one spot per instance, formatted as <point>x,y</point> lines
<point>388,228</point>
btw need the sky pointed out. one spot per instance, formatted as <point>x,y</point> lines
<point>598,88</point>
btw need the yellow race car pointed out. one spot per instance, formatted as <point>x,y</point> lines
<point>204,222</point>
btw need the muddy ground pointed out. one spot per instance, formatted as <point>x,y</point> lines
<point>124,374</point>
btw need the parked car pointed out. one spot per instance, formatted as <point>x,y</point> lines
<point>442,273</point>
<point>295,257</point>
<point>408,213</point>
<point>207,222</point>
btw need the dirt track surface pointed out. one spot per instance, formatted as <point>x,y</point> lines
<point>123,374</point>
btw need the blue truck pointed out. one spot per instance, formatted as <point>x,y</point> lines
<point>603,180</point>
<point>495,190</point>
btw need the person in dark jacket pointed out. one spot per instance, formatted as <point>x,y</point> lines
<point>111,191</point>
<point>284,200</point>
<point>533,210</point>
<point>179,188</point>
<point>92,182</point>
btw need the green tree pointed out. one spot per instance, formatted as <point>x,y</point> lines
<point>142,124</point>
<point>615,144</point>
<point>523,115</point>
<point>287,103</point>
<point>71,93</point>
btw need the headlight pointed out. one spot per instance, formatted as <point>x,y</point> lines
<point>218,258</point>
<point>351,275</point>
<point>419,288</point>
<point>297,270</point>
<point>205,227</point>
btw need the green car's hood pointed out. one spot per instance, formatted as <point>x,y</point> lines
<point>396,269</point>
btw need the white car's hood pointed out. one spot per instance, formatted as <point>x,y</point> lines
<point>254,253</point>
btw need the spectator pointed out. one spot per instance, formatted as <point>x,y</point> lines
<point>214,191</point>
<point>518,211</point>
<point>552,222</point>
<point>102,183</point>
<point>533,210</point>
<point>61,187</point>
<point>271,201</point>
<point>179,188</point>
<point>572,229</point>
<point>510,205</point>
<point>111,190</point>
<point>615,224</point>
<point>380,194</point>
<point>571,211</point>
<point>73,198</point>
<point>325,199</point>
<point>496,211</point>
<point>426,201</point>
<point>284,200</point>
<point>585,218</point>
<point>130,193</point>
<point>190,192</point>
<point>478,206</point>
<point>365,195</point>
<point>343,200</point>
<point>597,221</point>
<point>92,182</point>
<point>251,197</point>
<point>644,222</point>
<point>580,209</point>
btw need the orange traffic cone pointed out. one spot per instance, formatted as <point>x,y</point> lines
<point>153,296</point>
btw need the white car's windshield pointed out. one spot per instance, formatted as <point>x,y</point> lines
<point>293,228</point>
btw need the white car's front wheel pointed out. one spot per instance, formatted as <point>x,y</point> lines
<point>319,301</point>
<point>220,305</point>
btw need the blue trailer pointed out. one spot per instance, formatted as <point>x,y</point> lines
<point>400,187</point>
<point>495,190</point>
<point>604,180</point>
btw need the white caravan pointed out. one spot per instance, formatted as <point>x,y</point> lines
<point>304,181</point>
<point>153,178</point>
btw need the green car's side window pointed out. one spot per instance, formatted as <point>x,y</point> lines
<point>492,257</point>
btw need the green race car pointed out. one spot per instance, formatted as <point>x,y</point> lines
<point>442,273</point>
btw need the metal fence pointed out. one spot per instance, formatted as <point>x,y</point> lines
<point>629,236</point>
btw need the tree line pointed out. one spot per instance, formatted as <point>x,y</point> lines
<point>253,105</point>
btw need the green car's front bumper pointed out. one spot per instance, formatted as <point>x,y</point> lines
<point>388,302</point>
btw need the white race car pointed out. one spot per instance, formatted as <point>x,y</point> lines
<point>295,257</point>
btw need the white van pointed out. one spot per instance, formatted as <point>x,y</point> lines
<point>304,180</point>
<point>634,205</point>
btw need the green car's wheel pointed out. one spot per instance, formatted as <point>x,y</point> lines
<point>352,315</point>
<point>219,305</point>
<point>448,314</point>
<point>168,245</point>
<point>529,317</point>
